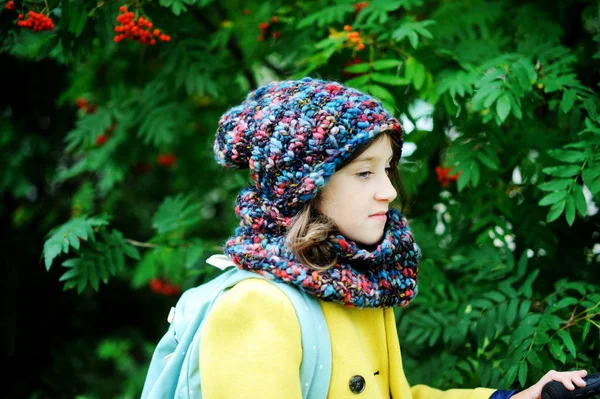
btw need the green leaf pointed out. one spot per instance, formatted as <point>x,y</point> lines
<point>495,296</point>
<point>568,100</point>
<point>580,202</point>
<point>554,185</point>
<point>483,92</point>
<point>556,351</point>
<point>131,251</point>
<point>326,16</point>
<point>358,68</point>
<point>391,80</point>
<point>552,198</point>
<point>177,6</point>
<point>524,308</point>
<point>463,179</point>
<point>534,359</point>
<point>563,303</point>
<point>570,210</point>
<point>586,330</point>
<point>591,180</point>
<point>591,107</point>
<point>61,237</point>
<point>511,312</point>
<point>381,93</point>
<point>380,65</point>
<point>486,160</point>
<point>527,285</point>
<point>419,77</point>
<point>555,211</point>
<point>562,170</point>
<point>510,375</point>
<point>474,174</point>
<point>568,341</point>
<point>503,107</point>
<point>567,155</point>
<point>523,373</point>
<point>482,303</point>
<point>358,81</point>
<point>492,98</point>
<point>175,214</point>
<point>69,274</point>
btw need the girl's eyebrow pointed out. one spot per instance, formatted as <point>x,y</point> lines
<point>371,158</point>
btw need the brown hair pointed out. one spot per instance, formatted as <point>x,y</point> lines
<point>309,230</point>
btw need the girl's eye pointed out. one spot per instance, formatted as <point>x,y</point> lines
<point>363,175</point>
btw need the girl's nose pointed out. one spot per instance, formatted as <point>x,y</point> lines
<point>385,190</point>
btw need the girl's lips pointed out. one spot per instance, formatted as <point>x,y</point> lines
<point>379,217</point>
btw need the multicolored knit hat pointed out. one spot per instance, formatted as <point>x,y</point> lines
<point>293,135</point>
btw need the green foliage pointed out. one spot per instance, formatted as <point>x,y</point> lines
<point>69,235</point>
<point>508,282</point>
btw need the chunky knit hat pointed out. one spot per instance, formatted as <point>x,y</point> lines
<point>294,135</point>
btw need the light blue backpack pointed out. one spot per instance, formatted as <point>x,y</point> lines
<point>174,368</point>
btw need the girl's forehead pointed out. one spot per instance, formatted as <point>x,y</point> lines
<point>381,148</point>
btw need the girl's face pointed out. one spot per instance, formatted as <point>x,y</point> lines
<point>357,196</point>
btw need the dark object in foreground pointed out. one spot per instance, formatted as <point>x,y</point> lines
<point>556,390</point>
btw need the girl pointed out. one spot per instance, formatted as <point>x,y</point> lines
<point>324,161</point>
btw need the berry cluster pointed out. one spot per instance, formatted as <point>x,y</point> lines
<point>10,5</point>
<point>265,27</point>
<point>35,21</point>
<point>444,176</point>
<point>359,6</point>
<point>86,107</point>
<point>167,160</point>
<point>140,30</point>
<point>354,37</point>
<point>162,287</point>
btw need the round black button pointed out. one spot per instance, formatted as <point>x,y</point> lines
<point>357,384</point>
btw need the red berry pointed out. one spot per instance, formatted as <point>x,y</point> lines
<point>101,139</point>
<point>166,159</point>
<point>81,103</point>
<point>263,26</point>
<point>156,285</point>
<point>276,35</point>
<point>274,19</point>
<point>10,5</point>
<point>123,9</point>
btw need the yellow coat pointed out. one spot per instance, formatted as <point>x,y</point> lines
<point>251,348</point>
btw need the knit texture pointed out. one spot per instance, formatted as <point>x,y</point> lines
<point>293,135</point>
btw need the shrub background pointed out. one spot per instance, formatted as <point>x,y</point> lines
<point>112,201</point>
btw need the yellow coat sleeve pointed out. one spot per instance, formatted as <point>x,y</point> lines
<point>426,392</point>
<point>251,345</point>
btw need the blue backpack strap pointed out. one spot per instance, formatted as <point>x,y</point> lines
<point>174,369</point>
<point>315,371</point>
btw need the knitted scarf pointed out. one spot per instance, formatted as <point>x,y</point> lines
<point>384,276</point>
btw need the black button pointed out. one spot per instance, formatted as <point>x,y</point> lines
<point>357,384</point>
